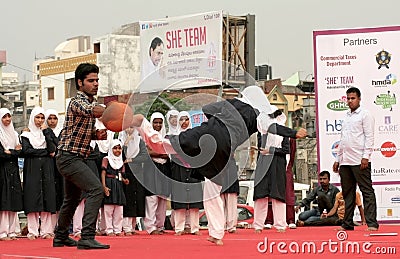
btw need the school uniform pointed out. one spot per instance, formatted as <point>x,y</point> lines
<point>11,200</point>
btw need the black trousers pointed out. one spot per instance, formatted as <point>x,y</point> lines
<point>350,176</point>
<point>78,177</point>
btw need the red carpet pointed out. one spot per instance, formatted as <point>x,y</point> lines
<point>243,244</point>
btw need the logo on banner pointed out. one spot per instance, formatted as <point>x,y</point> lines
<point>383,59</point>
<point>146,26</point>
<point>333,127</point>
<point>386,100</point>
<point>387,149</point>
<point>335,148</point>
<point>388,127</point>
<point>339,82</point>
<point>390,79</point>
<point>338,105</point>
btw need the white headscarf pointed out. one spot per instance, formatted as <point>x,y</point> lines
<point>255,97</point>
<point>115,162</point>
<point>103,144</point>
<point>172,130</point>
<point>158,115</point>
<point>58,128</point>
<point>131,141</point>
<point>184,114</point>
<point>273,139</point>
<point>8,136</point>
<point>35,135</point>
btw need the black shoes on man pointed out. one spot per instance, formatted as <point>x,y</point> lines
<point>91,244</point>
<point>58,242</point>
<point>81,244</point>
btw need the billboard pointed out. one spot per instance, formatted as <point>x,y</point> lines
<point>368,59</point>
<point>181,52</point>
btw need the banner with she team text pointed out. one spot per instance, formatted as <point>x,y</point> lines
<point>368,59</point>
<point>181,52</point>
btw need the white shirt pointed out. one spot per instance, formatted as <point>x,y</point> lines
<point>357,137</point>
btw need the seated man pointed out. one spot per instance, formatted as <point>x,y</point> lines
<point>336,214</point>
<point>325,193</point>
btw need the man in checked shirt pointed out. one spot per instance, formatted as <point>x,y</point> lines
<point>73,150</point>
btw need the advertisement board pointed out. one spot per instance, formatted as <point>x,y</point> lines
<point>368,59</point>
<point>181,52</point>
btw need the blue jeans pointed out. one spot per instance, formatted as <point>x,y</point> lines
<point>310,215</point>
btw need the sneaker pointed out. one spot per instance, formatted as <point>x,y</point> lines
<point>268,226</point>
<point>292,226</point>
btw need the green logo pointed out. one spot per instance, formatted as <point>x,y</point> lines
<point>386,100</point>
<point>337,105</point>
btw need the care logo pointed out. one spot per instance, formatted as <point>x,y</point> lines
<point>390,79</point>
<point>383,59</point>
<point>338,105</point>
<point>386,100</point>
<point>387,149</point>
<point>388,127</point>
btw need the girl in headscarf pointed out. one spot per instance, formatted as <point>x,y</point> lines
<point>172,120</point>
<point>156,182</point>
<point>113,178</point>
<point>135,157</point>
<point>270,177</point>
<point>53,131</point>
<point>38,184</point>
<point>186,191</point>
<point>10,181</point>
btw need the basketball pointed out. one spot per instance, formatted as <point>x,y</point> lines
<point>117,116</point>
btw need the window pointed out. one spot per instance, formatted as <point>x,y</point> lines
<point>50,93</point>
<point>274,97</point>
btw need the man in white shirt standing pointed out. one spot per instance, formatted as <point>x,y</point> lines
<point>353,160</point>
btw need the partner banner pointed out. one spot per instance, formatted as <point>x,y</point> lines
<point>369,59</point>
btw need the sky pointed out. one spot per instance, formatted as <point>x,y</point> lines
<point>284,28</point>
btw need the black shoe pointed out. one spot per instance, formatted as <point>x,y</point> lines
<point>58,242</point>
<point>91,244</point>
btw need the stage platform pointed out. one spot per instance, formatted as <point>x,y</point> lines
<point>304,242</point>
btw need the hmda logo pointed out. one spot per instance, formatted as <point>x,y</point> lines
<point>390,79</point>
<point>338,105</point>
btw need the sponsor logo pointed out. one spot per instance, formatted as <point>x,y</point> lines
<point>335,148</point>
<point>333,127</point>
<point>388,127</point>
<point>395,199</point>
<point>338,105</point>
<point>383,59</point>
<point>389,80</point>
<point>339,82</point>
<point>387,149</point>
<point>386,100</point>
